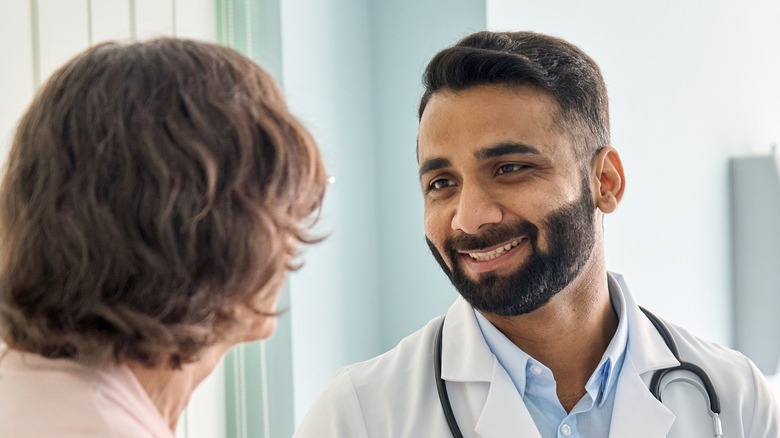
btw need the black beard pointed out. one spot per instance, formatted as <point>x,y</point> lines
<point>571,234</point>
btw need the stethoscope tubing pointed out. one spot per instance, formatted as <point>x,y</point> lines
<point>441,387</point>
<point>655,382</point>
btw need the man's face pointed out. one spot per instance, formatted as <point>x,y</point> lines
<point>508,209</point>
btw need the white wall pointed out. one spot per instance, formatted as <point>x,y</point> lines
<point>16,84</point>
<point>691,84</point>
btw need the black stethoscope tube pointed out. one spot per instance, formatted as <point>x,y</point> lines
<point>655,381</point>
<point>444,398</point>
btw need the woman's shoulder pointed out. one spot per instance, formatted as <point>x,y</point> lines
<point>60,397</point>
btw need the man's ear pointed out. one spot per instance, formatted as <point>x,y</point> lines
<point>610,179</point>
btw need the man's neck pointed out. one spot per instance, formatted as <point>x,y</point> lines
<point>569,334</point>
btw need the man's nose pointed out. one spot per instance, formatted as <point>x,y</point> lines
<point>475,208</point>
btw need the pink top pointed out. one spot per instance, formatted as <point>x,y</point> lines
<point>42,397</point>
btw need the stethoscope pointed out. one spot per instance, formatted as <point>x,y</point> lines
<point>655,382</point>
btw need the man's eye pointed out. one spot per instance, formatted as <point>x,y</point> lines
<point>510,168</point>
<point>440,183</point>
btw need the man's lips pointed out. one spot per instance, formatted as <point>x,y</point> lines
<point>487,254</point>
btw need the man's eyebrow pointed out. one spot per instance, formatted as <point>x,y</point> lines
<point>505,149</point>
<point>433,164</point>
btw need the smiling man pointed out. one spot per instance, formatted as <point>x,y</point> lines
<point>517,172</point>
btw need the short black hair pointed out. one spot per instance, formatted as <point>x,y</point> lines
<point>513,59</point>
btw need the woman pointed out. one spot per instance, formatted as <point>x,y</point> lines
<point>154,197</point>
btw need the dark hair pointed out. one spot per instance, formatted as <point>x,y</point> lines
<point>151,190</point>
<point>512,59</point>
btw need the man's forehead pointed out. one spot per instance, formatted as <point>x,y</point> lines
<point>484,117</point>
<point>488,94</point>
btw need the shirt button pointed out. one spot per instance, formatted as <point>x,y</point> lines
<point>565,430</point>
<point>536,369</point>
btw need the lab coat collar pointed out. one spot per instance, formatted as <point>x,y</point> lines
<point>645,345</point>
<point>467,358</point>
<point>504,409</point>
<point>463,339</point>
<point>465,354</point>
<point>637,413</point>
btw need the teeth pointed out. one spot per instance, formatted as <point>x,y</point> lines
<point>490,255</point>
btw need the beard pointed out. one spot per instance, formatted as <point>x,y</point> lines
<point>570,234</point>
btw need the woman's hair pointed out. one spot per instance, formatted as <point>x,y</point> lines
<point>152,189</point>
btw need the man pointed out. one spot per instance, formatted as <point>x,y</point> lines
<point>517,172</point>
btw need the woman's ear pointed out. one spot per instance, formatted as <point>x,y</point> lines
<point>610,179</point>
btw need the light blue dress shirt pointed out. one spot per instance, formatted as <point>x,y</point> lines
<point>591,416</point>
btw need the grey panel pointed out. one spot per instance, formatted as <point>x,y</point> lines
<point>756,258</point>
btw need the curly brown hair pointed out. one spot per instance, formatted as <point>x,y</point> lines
<point>151,189</point>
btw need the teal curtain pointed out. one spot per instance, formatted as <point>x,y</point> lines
<point>258,375</point>
<point>254,28</point>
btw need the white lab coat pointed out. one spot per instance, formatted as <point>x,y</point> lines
<point>394,395</point>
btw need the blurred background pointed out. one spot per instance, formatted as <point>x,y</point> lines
<point>695,106</point>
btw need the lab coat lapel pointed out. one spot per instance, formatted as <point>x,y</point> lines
<point>465,354</point>
<point>646,347</point>
<point>637,413</point>
<point>467,359</point>
<point>504,413</point>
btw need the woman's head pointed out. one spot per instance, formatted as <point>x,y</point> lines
<point>155,192</point>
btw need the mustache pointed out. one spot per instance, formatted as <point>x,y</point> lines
<point>492,236</point>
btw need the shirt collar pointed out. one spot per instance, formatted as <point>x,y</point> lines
<point>605,377</point>
<point>517,362</point>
